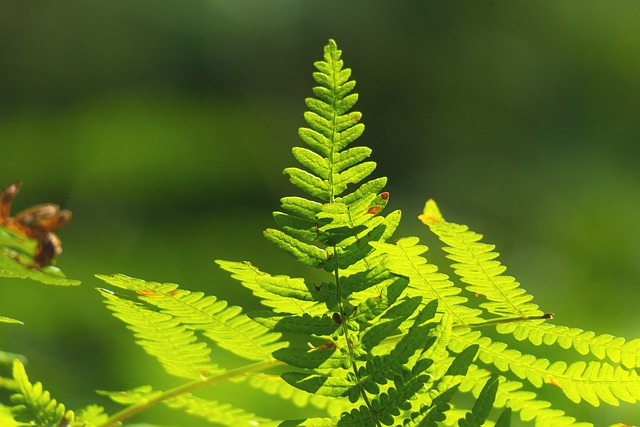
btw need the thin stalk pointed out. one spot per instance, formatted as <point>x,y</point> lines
<point>507,320</point>
<point>345,330</point>
<point>128,412</point>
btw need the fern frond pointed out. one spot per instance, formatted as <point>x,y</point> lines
<point>91,416</point>
<point>615,349</point>
<point>404,258</point>
<point>225,325</point>
<point>275,385</point>
<point>164,337</point>
<point>525,403</point>
<point>252,278</point>
<point>133,396</point>
<point>434,403</point>
<point>335,227</point>
<point>33,405</point>
<point>477,266</point>
<point>593,381</point>
<point>483,405</point>
<point>320,384</point>
<point>331,130</point>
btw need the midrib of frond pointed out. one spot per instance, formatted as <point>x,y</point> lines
<point>335,68</point>
<point>334,131</point>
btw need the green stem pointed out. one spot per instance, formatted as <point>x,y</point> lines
<point>507,320</point>
<point>345,330</point>
<point>128,412</point>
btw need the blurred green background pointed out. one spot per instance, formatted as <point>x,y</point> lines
<point>164,127</point>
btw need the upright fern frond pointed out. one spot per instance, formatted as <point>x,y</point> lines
<point>338,227</point>
<point>332,230</point>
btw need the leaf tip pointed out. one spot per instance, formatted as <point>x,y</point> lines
<point>431,213</point>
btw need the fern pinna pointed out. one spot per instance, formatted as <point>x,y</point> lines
<point>382,338</point>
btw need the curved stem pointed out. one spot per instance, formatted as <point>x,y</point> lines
<point>128,412</point>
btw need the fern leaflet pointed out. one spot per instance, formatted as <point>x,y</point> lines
<point>33,403</point>
<point>194,311</point>
<point>615,349</point>
<point>476,266</point>
<point>163,337</point>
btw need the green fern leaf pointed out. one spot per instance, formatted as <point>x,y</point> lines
<point>91,416</point>
<point>282,293</point>
<point>321,326</point>
<point>275,385</point>
<point>323,385</point>
<point>319,358</point>
<point>224,325</point>
<point>131,397</point>
<point>308,226</point>
<point>504,420</point>
<point>477,266</point>
<point>389,322</point>
<point>301,207</point>
<point>305,253</point>
<point>163,337</point>
<point>424,279</point>
<point>525,403</point>
<point>615,349</point>
<point>432,415</point>
<point>433,410</point>
<point>483,405</point>
<point>32,404</point>
<point>592,382</point>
